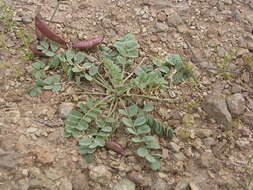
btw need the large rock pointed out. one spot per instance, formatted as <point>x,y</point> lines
<point>216,107</point>
<point>236,104</point>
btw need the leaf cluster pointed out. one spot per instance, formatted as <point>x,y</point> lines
<point>136,121</point>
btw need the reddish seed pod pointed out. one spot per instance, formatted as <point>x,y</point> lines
<point>36,52</point>
<point>46,31</point>
<point>114,147</point>
<point>88,44</point>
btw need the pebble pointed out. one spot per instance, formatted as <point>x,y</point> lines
<point>100,174</point>
<point>236,104</point>
<point>65,108</point>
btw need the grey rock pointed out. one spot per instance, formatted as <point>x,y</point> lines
<point>159,184</point>
<point>249,17</point>
<point>209,141</point>
<point>26,19</point>
<point>174,20</point>
<point>237,15</point>
<point>236,104</point>
<point>65,108</point>
<point>203,133</point>
<point>125,184</point>
<point>179,156</point>
<point>140,179</point>
<point>228,2</point>
<point>174,147</point>
<point>53,174</point>
<point>57,136</point>
<point>216,107</point>
<point>251,4</point>
<point>193,186</point>
<point>8,160</point>
<point>101,174</point>
<point>248,118</point>
<point>161,27</point>
<point>182,185</point>
<point>80,181</point>
<point>207,159</point>
<point>65,184</point>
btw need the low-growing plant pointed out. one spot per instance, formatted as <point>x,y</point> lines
<point>125,83</point>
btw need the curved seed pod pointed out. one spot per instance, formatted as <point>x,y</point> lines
<point>38,34</point>
<point>114,147</point>
<point>36,52</point>
<point>46,31</point>
<point>88,44</point>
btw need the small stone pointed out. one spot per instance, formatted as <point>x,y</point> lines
<point>193,186</point>
<point>207,159</point>
<point>31,130</point>
<point>65,184</point>
<point>159,184</point>
<point>161,17</point>
<point>236,104</point>
<point>165,153</point>
<point>209,141</point>
<point>203,133</point>
<point>161,27</point>
<point>188,121</point>
<point>179,156</point>
<point>80,181</point>
<point>124,184</point>
<point>101,174</point>
<point>174,19</point>
<point>174,147</point>
<point>248,117</point>
<point>65,108</point>
<point>228,2</point>
<point>53,174</point>
<point>216,107</point>
<point>140,179</point>
<point>44,154</point>
<point>242,143</point>
<point>26,19</point>
<point>8,160</point>
<point>14,116</point>
<point>182,185</point>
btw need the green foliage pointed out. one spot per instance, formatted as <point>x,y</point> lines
<point>94,121</point>
<point>136,121</point>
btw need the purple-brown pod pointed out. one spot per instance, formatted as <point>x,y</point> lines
<point>88,44</point>
<point>46,31</point>
<point>36,52</point>
<point>114,147</point>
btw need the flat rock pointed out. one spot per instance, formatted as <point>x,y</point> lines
<point>248,118</point>
<point>140,179</point>
<point>236,104</point>
<point>216,107</point>
<point>80,180</point>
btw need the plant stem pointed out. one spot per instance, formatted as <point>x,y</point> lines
<point>151,98</point>
<point>95,106</point>
<point>95,93</point>
<point>142,61</point>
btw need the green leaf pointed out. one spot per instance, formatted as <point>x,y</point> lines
<point>127,122</point>
<point>85,141</point>
<point>82,107</point>
<point>148,108</point>
<point>150,158</point>
<point>136,139</point>
<point>38,65</point>
<point>155,165</point>
<point>143,129</point>
<point>54,47</point>
<point>132,110</point>
<point>110,120</point>
<point>88,77</point>
<point>34,91</point>
<point>142,152</point>
<point>99,141</point>
<point>52,79</point>
<point>114,71</point>
<point>83,125</point>
<point>54,62</point>
<point>76,70</point>
<point>140,121</point>
<point>87,65</point>
<point>93,70</point>
<point>174,60</point>
<point>44,44</point>
<point>153,145</point>
<point>56,88</point>
<point>79,57</point>
<point>123,112</point>
<point>147,139</point>
<point>107,129</point>
<point>48,53</point>
<point>75,114</point>
<point>131,131</point>
<point>70,55</point>
<point>164,69</point>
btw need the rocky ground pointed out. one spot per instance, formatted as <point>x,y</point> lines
<point>208,153</point>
